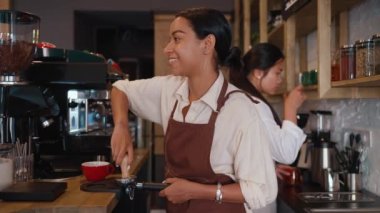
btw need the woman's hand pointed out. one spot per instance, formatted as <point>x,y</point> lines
<point>179,190</point>
<point>293,101</point>
<point>295,98</point>
<point>121,144</point>
<point>283,170</point>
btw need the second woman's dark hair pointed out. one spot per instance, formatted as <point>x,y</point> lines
<point>262,56</point>
<point>206,21</point>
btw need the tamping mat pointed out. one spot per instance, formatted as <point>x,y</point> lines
<point>108,185</point>
<point>33,191</point>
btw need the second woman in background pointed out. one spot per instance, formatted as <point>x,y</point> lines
<point>262,74</point>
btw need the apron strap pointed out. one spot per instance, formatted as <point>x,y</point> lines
<point>173,110</point>
<point>224,99</point>
<point>220,102</point>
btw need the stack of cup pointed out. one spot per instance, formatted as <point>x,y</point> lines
<point>6,165</point>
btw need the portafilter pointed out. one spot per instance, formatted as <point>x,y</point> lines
<point>130,184</point>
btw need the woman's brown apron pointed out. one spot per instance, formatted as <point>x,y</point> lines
<point>187,154</point>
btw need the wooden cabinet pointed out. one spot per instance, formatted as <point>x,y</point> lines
<point>329,19</point>
<point>5,4</point>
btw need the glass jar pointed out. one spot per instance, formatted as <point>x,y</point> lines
<point>6,165</point>
<point>347,62</point>
<point>19,34</point>
<point>320,125</point>
<point>376,42</point>
<point>335,66</point>
<point>364,58</point>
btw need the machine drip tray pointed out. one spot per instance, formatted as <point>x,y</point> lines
<point>323,197</point>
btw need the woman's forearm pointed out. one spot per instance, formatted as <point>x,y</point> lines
<point>290,113</point>
<point>121,143</point>
<point>119,104</point>
<point>230,193</point>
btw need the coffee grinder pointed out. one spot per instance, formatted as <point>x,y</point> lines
<point>20,101</point>
<point>323,149</point>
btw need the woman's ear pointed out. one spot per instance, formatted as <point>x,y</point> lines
<point>258,74</point>
<point>209,44</point>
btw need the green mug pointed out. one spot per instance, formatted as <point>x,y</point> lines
<point>305,78</point>
<point>313,75</point>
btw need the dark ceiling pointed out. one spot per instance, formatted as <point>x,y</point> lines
<point>135,19</point>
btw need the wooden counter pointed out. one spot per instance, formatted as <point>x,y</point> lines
<point>74,200</point>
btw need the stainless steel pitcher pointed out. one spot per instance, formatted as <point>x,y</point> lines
<point>331,182</point>
<point>323,157</point>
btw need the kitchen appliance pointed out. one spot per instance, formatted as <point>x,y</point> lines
<point>320,125</point>
<point>78,84</point>
<point>19,33</point>
<point>21,101</point>
<point>89,110</point>
<point>323,154</point>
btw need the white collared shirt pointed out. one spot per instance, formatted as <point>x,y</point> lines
<point>286,140</point>
<point>240,145</point>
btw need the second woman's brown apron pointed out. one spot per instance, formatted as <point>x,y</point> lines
<point>187,154</point>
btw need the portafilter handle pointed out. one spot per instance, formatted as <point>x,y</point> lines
<point>151,186</point>
<point>130,185</point>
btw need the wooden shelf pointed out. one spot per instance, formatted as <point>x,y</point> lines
<point>306,17</point>
<point>329,20</point>
<point>339,6</point>
<point>311,88</point>
<point>276,36</point>
<point>373,81</point>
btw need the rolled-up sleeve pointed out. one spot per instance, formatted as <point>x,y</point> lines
<point>285,140</point>
<point>144,97</point>
<point>254,166</point>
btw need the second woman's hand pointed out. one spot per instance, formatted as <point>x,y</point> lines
<point>293,101</point>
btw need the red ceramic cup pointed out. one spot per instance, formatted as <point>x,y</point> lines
<point>294,177</point>
<point>97,170</point>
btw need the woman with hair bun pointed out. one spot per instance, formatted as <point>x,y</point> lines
<point>216,151</point>
<point>262,74</point>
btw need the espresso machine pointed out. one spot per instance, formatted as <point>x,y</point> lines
<point>56,100</point>
<point>323,152</point>
<point>78,84</point>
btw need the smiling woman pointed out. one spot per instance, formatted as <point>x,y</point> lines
<point>215,147</point>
